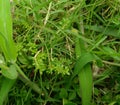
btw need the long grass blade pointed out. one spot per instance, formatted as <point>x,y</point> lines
<point>84,72</point>
<point>104,30</point>
<point>6,39</point>
<point>83,67</point>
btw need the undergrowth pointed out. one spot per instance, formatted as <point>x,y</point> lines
<point>45,33</point>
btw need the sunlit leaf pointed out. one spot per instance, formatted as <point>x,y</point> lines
<point>6,39</point>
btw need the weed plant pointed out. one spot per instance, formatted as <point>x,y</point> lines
<point>69,48</point>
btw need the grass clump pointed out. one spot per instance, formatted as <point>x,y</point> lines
<point>70,49</point>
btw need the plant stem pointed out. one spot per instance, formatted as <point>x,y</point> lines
<point>27,81</point>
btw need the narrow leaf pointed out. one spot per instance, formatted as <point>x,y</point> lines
<point>6,40</point>
<point>86,84</point>
<point>107,31</point>
<point>6,85</point>
<point>82,61</point>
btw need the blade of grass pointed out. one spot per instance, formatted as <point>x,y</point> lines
<point>82,61</point>
<point>85,72</point>
<point>5,88</point>
<point>6,40</point>
<point>107,31</point>
<point>86,84</point>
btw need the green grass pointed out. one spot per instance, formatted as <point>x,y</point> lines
<point>59,44</point>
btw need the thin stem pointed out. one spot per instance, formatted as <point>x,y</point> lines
<point>111,63</point>
<point>26,80</point>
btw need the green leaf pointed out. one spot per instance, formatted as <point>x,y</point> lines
<point>111,52</point>
<point>63,93</point>
<point>86,84</point>
<point>84,72</point>
<point>2,60</point>
<point>82,61</point>
<point>6,85</point>
<point>10,72</point>
<point>6,39</point>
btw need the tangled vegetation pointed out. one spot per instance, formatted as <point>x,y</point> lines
<point>59,52</point>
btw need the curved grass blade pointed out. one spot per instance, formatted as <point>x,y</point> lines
<point>82,61</point>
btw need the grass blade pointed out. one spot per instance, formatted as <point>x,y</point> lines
<point>83,68</point>
<point>6,85</point>
<point>84,72</point>
<point>86,84</point>
<point>83,61</point>
<point>104,30</point>
<point>6,40</point>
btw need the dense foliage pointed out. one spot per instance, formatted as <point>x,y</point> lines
<point>48,35</point>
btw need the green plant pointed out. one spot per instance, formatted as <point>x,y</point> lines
<point>83,71</point>
<point>9,69</point>
<point>59,44</point>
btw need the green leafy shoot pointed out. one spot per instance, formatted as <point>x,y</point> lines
<point>6,38</point>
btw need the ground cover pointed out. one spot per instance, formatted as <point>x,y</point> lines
<point>68,52</point>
